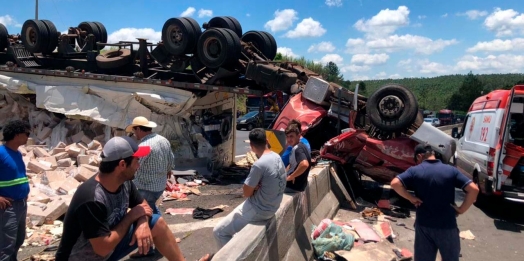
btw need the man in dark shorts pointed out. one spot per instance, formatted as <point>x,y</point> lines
<point>98,225</point>
<point>299,161</point>
<point>434,184</point>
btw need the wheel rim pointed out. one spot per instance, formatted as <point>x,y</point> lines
<point>212,48</point>
<point>391,106</point>
<point>31,36</point>
<point>177,35</point>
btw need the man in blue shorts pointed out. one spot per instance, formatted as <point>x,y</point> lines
<point>98,225</point>
<point>434,184</point>
<point>14,188</point>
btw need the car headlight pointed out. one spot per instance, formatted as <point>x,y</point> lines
<point>243,121</point>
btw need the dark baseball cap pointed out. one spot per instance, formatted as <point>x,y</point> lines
<point>422,149</point>
<point>123,147</point>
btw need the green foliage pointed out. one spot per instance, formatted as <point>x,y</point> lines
<point>362,88</point>
<point>332,73</point>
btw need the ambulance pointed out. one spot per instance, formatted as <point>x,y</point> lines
<point>490,147</point>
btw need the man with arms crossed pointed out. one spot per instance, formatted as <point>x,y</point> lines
<point>299,161</point>
<point>263,188</point>
<point>14,189</point>
<point>434,184</point>
<point>98,226</point>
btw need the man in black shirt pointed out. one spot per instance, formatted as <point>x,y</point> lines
<point>98,226</point>
<point>299,160</point>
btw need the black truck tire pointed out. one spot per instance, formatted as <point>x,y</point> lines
<point>218,47</point>
<point>227,23</point>
<point>392,108</point>
<point>178,36</point>
<point>35,36</point>
<point>238,27</point>
<point>4,41</point>
<point>274,46</point>
<point>197,33</point>
<point>103,34</point>
<point>260,41</point>
<point>91,28</point>
<point>53,37</point>
<point>114,59</point>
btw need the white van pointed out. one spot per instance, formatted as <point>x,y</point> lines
<point>486,150</point>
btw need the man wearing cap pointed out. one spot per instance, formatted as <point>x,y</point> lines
<point>155,168</point>
<point>434,185</point>
<point>98,225</point>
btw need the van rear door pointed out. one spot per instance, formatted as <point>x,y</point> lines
<point>500,149</point>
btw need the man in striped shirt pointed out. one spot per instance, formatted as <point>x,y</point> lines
<point>151,177</point>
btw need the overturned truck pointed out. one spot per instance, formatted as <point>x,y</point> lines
<point>188,83</point>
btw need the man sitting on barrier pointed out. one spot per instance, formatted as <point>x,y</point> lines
<point>263,188</point>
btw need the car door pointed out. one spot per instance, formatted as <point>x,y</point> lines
<point>463,159</point>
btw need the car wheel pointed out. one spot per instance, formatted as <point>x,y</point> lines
<point>250,127</point>
<point>392,108</point>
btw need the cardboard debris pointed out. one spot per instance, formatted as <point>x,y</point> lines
<point>467,235</point>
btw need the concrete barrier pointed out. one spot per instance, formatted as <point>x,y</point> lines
<point>287,235</point>
<point>449,127</point>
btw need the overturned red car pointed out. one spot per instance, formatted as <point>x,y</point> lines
<point>375,136</point>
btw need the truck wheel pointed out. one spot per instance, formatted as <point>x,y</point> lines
<point>197,32</point>
<point>178,36</point>
<point>225,129</point>
<point>114,59</point>
<point>392,108</point>
<point>53,37</point>
<point>91,28</point>
<point>274,47</point>
<point>35,36</point>
<point>4,41</point>
<point>103,34</point>
<point>238,27</point>
<point>227,23</point>
<point>218,47</point>
<point>260,41</point>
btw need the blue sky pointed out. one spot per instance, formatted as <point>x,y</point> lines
<point>368,39</point>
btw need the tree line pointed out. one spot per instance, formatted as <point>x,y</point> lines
<point>455,92</point>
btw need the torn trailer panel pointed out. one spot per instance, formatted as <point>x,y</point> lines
<point>200,129</point>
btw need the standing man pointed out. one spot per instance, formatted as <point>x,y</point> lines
<point>98,225</point>
<point>287,152</point>
<point>299,161</point>
<point>434,184</point>
<point>14,189</point>
<point>155,168</point>
<point>263,188</point>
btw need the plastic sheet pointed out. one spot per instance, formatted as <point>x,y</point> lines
<point>332,239</point>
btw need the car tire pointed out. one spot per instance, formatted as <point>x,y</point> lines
<point>218,47</point>
<point>250,127</point>
<point>179,36</point>
<point>35,36</point>
<point>392,108</point>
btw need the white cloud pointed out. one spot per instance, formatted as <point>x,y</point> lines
<point>444,15</point>
<point>323,47</point>
<point>385,22</point>
<point>283,20</point>
<point>130,34</point>
<point>504,63</point>
<point>334,2</point>
<point>420,44</point>
<point>505,22</point>
<point>248,14</point>
<point>357,77</point>
<point>370,59</point>
<point>395,76</point>
<point>286,51</point>
<point>356,45</point>
<point>473,14</point>
<point>307,28</point>
<point>499,45</point>
<point>205,13</point>
<point>424,66</point>
<point>8,20</point>
<point>332,57</point>
<point>355,68</point>
<point>381,75</point>
<point>190,11</point>
<point>422,17</point>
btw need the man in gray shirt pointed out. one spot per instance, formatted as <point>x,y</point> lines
<point>263,188</point>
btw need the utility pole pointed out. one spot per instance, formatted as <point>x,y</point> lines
<point>36,10</point>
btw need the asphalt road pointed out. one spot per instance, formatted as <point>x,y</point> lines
<point>241,147</point>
